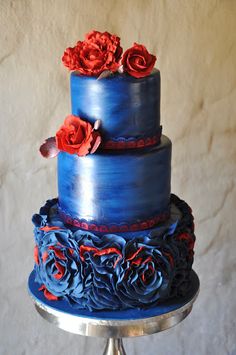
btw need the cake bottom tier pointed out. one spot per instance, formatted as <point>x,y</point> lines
<point>113,271</point>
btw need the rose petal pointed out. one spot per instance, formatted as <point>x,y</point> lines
<point>49,148</point>
<point>105,74</point>
<point>121,69</point>
<point>96,144</point>
<point>97,124</point>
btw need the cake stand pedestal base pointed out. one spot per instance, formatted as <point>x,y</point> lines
<point>114,325</point>
<point>114,347</point>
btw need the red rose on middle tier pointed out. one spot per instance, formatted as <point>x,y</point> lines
<point>76,136</point>
<point>137,61</point>
<point>97,53</point>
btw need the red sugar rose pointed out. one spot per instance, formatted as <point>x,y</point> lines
<point>70,57</point>
<point>137,61</point>
<point>97,53</point>
<point>76,136</point>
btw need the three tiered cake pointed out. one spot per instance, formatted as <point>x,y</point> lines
<point>116,238</point>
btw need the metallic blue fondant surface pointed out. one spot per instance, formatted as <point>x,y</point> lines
<point>127,106</point>
<point>116,187</point>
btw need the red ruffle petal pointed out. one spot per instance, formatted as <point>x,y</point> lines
<point>48,294</point>
<point>36,255</point>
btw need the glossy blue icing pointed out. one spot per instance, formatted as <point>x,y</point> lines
<point>127,106</point>
<point>116,186</point>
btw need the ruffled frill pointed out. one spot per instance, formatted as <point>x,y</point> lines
<point>110,271</point>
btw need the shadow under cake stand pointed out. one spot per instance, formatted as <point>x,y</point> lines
<point>114,325</point>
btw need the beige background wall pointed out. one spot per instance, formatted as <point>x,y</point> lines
<point>195,42</point>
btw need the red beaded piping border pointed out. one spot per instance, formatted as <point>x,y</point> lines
<point>132,144</point>
<point>114,228</point>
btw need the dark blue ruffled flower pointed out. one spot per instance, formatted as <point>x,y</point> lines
<point>101,258</point>
<point>46,219</point>
<point>60,268</point>
<point>184,243</point>
<point>145,276</point>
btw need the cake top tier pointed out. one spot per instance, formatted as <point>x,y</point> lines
<point>129,108</point>
<point>115,98</point>
<point>120,89</point>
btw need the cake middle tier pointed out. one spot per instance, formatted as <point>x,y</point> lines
<point>116,190</point>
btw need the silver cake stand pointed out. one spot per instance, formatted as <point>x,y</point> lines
<point>116,329</point>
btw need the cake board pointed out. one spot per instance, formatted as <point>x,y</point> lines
<point>114,325</point>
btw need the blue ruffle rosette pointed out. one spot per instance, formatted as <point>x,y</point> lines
<point>108,272</point>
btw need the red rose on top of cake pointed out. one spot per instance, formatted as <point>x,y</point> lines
<point>97,53</point>
<point>137,61</point>
<point>77,136</point>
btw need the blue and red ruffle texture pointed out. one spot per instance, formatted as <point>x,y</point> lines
<point>108,272</point>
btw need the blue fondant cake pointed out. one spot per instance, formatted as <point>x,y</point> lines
<point>115,238</point>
